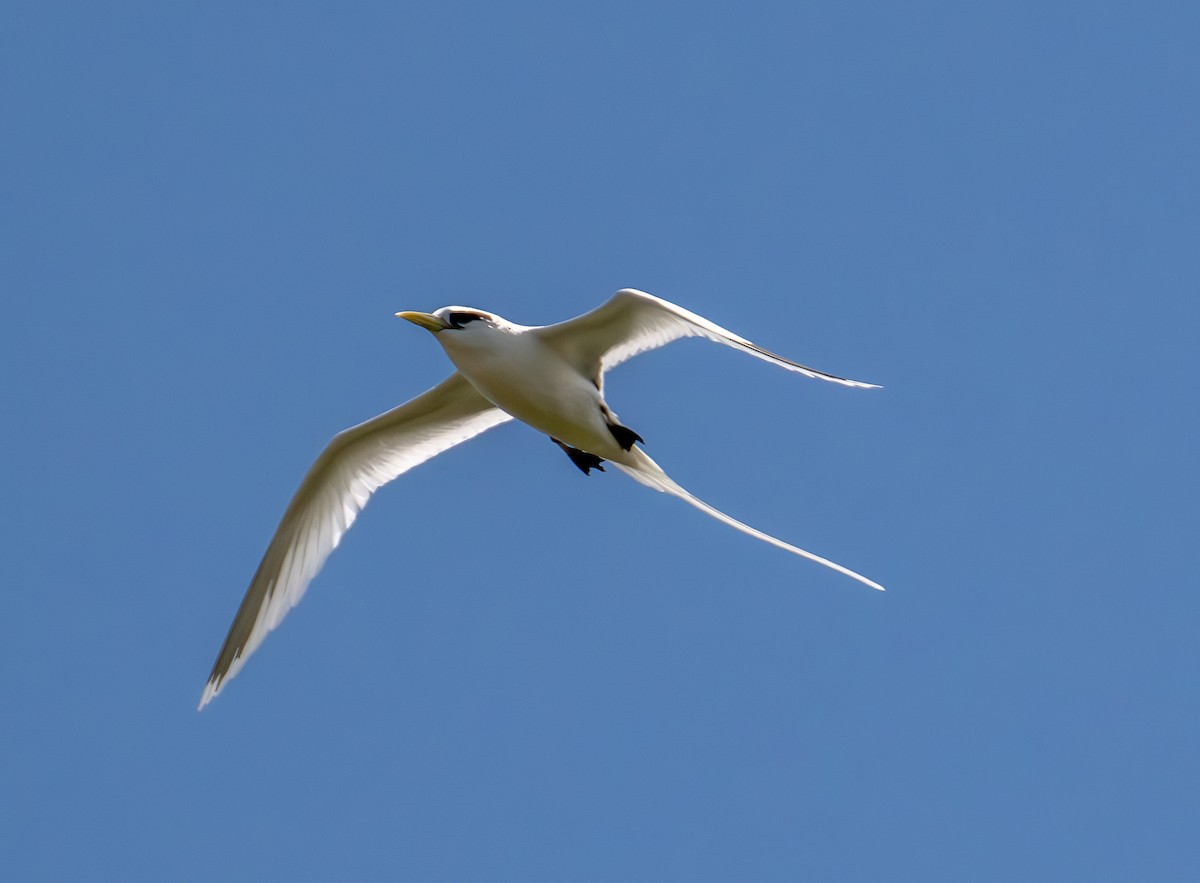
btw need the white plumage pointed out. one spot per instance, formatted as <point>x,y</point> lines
<point>550,377</point>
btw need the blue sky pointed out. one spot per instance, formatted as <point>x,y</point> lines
<point>508,671</point>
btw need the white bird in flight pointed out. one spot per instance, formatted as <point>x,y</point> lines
<point>550,377</point>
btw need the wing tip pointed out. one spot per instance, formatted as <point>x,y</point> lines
<point>211,689</point>
<point>844,381</point>
<point>216,682</point>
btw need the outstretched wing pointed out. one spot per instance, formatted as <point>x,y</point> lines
<point>336,488</point>
<point>633,322</point>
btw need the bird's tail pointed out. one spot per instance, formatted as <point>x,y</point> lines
<point>645,471</point>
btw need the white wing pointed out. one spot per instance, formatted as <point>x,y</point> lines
<point>633,322</point>
<point>336,488</point>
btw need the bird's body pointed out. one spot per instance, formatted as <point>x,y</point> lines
<point>518,372</point>
<point>550,377</point>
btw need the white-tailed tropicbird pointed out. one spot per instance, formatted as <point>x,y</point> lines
<point>550,377</point>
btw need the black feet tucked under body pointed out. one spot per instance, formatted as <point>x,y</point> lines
<point>624,435</point>
<point>585,461</point>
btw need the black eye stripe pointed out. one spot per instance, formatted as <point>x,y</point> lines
<point>458,320</point>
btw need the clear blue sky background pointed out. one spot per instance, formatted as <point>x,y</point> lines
<point>509,671</point>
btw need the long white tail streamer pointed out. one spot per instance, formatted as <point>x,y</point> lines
<point>650,474</point>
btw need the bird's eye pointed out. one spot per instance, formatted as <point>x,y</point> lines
<point>458,320</point>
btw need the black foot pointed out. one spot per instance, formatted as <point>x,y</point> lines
<point>624,435</point>
<point>585,461</point>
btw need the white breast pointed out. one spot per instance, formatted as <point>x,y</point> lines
<point>522,376</point>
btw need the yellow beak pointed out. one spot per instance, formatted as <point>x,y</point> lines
<point>425,320</point>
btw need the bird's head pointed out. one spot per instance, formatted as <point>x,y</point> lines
<point>452,319</point>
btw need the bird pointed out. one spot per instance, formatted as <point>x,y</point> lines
<point>550,377</point>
